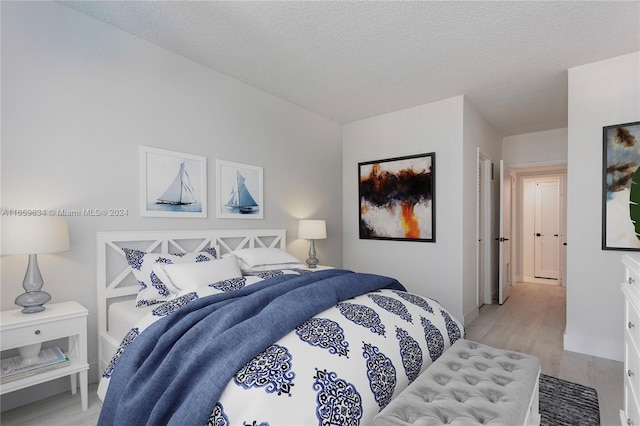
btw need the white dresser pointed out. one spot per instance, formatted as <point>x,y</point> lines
<point>631,290</point>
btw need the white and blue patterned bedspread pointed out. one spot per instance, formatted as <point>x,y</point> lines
<point>339,367</point>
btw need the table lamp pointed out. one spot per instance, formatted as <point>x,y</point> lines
<point>33,235</point>
<point>312,230</point>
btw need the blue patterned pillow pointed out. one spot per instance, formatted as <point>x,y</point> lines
<point>152,289</point>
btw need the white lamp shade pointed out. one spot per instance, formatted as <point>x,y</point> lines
<point>34,234</point>
<point>312,229</point>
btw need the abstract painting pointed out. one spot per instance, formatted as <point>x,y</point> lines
<point>621,192</point>
<point>397,198</point>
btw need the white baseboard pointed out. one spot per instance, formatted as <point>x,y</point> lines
<point>595,347</point>
<point>548,281</point>
<point>471,315</point>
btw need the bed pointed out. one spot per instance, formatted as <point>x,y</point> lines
<point>268,343</point>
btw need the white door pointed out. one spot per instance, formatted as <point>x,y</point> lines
<point>547,229</point>
<point>480,230</point>
<point>484,229</point>
<point>504,274</point>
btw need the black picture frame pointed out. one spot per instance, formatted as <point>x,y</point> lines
<point>397,198</point>
<point>620,160</point>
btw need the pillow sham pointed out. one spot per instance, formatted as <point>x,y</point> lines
<point>253,260</point>
<point>194,276</point>
<point>152,289</point>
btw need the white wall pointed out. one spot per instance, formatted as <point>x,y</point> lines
<point>429,269</point>
<point>600,94</point>
<point>444,270</point>
<point>79,97</point>
<point>535,148</point>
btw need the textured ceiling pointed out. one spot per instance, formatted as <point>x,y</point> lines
<point>352,60</point>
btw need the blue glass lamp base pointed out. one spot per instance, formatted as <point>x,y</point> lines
<point>33,298</point>
<point>312,261</point>
<point>32,301</point>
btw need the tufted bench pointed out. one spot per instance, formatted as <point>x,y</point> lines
<point>469,384</point>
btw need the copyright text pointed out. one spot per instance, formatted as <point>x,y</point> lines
<point>64,212</point>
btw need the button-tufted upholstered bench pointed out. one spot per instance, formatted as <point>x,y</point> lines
<point>469,384</point>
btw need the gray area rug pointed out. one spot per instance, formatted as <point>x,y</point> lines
<point>567,403</point>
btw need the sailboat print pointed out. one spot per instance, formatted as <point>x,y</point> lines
<point>240,198</point>
<point>180,191</point>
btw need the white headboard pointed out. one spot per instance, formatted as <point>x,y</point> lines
<point>115,280</point>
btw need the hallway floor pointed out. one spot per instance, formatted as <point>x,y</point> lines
<point>532,321</point>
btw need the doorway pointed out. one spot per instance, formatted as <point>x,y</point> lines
<point>540,223</point>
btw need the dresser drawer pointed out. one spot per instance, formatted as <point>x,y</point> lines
<point>632,279</point>
<point>632,412</point>
<point>632,369</point>
<point>28,334</point>
<point>632,323</point>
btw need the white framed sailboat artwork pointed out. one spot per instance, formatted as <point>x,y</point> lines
<point>172,184</point>
<point>239,191</point>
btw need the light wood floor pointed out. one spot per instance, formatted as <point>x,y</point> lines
<point>531,321</point>
<point>60,410</point>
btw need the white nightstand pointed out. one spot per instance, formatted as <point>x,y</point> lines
<point>318,268</point>
<point>58,320</point>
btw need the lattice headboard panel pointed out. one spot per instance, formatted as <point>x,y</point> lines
<point>115,279</point>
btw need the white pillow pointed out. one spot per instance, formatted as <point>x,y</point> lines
<point>265,259</point>
<point>152,289</point>
<point>192,276</point>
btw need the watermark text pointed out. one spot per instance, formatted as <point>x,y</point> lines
<point>65,212</point>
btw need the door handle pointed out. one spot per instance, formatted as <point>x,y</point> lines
<point>555,235</point>
<point>538,234</point>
